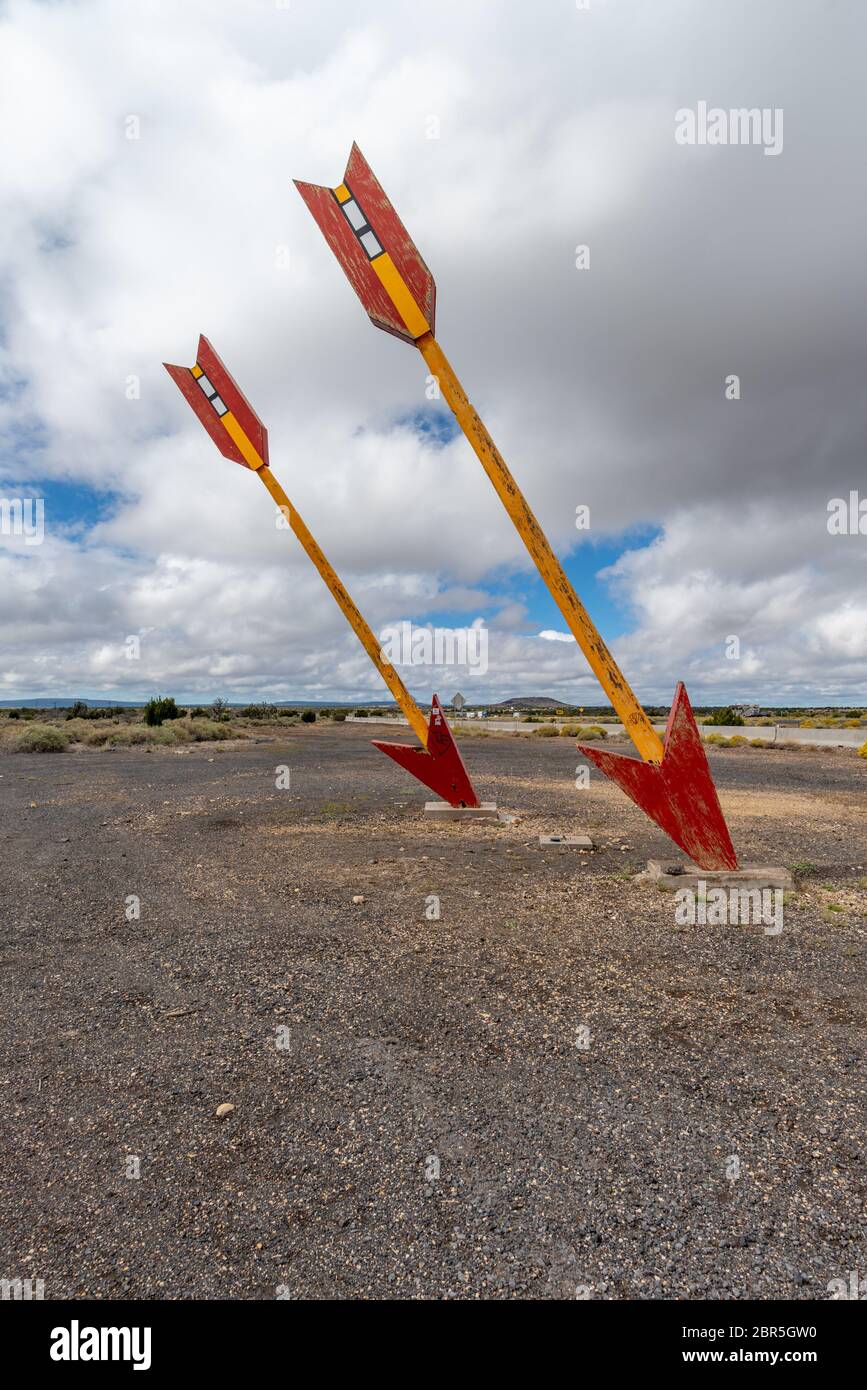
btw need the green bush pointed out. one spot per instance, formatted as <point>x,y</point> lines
<point>42,738</point>
<point>308,716</point>
<point>13,714</point>
<point>361,714</point>
<point>262,711</point>
<point>157,709</point>
<point>724,716</point>
<point>338,716</point>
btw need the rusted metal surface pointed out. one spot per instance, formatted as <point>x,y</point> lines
<point>679,794</point>
<point>441,768</point>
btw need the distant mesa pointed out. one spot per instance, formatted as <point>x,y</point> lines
<point>533,702</point>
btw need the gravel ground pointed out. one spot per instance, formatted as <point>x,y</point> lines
<point>411,1044</point>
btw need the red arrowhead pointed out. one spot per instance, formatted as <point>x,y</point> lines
<point>440,766</point>
<point>679,793</point>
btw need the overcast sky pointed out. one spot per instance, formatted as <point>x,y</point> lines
<point>506,135</point>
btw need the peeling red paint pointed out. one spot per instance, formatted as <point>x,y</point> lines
<point>392,236</point>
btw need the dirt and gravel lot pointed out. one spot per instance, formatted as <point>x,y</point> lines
<point>410,1043</point>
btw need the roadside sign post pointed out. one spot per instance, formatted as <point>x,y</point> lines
<point>239,435</point>
<point>672,784</point>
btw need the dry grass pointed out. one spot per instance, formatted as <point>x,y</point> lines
<point>51,731</point>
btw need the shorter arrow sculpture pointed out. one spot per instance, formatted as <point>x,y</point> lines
<point>673,784</point>
<point>239,434</point>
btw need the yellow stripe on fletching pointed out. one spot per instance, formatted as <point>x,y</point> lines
<point>400,295</point>
<point>239,437</point>
<point>342,194</point>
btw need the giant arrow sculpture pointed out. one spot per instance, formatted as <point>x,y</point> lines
<point>239,435</point>
<point>673,784</point>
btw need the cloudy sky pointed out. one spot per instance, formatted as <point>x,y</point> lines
<point>506,135</point>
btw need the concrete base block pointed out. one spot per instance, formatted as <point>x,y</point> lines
<point>671,875</point>
<point>441,810</point>
<point>566,841</point>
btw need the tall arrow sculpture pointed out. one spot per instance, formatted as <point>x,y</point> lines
<point>239,435</point>
<point>673,785</point>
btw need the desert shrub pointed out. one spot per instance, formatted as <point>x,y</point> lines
<point>547,731</point>
<point>13,714</point>
<point>260,711</point>
<point>203,731</point>
<point>134,733</point>
<point>737,741</point>
<point>361,714</point>
<point>156,710</point>
<point>308,716</point>
<point>197,713</point>
<point>862,751</point>
<point>338,716</point>
<point>94,738</point>
<point>81,710</point>
<point>724,716</point>
<point>42,738</point>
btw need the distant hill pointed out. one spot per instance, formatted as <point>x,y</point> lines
<point>529,702</point>
<point>67,701</point>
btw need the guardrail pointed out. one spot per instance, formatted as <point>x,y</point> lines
<point>772,733</point>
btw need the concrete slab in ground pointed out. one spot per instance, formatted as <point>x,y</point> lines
<point>567,841</point>
<point>441,810</point>
<point>675,874</point>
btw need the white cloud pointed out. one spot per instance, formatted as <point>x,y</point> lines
<point>602,387</point>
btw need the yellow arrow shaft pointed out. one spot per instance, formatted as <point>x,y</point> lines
<point>605,668</point>
<point>363,632</point>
